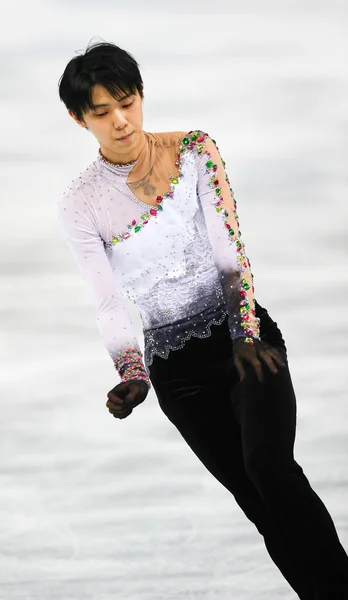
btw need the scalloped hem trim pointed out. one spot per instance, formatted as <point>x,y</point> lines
<point>204,333</point>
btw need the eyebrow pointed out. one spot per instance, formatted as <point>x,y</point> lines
<point>95,106</point>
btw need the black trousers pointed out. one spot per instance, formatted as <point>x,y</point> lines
<point>244,434</point>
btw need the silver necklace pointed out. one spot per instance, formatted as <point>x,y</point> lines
<point>149,188</point>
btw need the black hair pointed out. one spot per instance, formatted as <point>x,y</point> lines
<point>104,64</point>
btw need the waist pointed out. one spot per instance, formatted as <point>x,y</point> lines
<point>206,333</point>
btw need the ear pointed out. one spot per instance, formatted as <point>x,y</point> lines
<point>83,125</point>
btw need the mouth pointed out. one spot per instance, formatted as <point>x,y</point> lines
<point>125,138</point>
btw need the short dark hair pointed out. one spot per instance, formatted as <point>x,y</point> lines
<point>102,63</point>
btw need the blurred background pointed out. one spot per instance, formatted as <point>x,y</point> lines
<point>93,507</point>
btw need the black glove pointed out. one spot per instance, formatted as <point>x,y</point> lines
<point>253,354</point>
<point>125,396</point>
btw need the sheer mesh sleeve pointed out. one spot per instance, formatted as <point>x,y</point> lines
<point>114,324</point>
<point>220,210</point>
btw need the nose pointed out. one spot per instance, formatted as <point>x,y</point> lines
<point>119,119</point>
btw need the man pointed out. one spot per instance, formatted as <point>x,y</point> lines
<point>154,219</point>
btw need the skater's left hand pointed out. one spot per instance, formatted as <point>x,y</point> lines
<point>253,354</point>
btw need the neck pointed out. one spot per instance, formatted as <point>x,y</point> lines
<point>131,155</point>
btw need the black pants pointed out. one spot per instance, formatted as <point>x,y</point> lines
<point>244,434</point>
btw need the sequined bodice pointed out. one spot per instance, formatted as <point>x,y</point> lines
<point>179,261</point>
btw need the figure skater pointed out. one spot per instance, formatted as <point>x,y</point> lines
<point>154,219</point>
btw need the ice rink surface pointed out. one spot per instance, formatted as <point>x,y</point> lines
<point>94,508</point>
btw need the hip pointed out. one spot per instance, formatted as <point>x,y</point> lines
<point>212,354</point>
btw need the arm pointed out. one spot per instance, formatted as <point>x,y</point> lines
<point>113,321</point>
<point>219,208</point>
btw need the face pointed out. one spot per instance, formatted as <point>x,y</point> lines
<point>113,119</point>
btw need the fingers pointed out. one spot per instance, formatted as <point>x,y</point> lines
<point>119,409</point>
<point>124,415</point>
<point>269,361</point>
<point>272,358</point>
<point>240,368</point>
<point>277,356</point>
<point>123,398</point>
<point>269,356</point>
<point>117,405</point>
<point>256,364</point>
<point>119,399</point>
<point>258,370</point>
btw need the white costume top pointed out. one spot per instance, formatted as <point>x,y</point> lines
<point>181,262</point>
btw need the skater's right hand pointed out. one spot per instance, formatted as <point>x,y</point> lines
<point>125,396</point>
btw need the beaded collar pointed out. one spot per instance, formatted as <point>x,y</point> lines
<point>115,166</point>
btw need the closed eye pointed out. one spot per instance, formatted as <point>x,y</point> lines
<point>124,106</point>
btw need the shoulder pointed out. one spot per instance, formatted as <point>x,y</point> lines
<point>195,143</point>
<point>166,138</point>
<point>76,187</point>
<point>195,138</point>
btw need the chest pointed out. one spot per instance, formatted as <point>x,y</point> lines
<point>146,243</point>
<point>131,222</point>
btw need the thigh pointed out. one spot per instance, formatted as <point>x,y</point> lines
<point>266,413</point>
<point>205,419</point>
<point>193,390</point>
<point>198,389</point>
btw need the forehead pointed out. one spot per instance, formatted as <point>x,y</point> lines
<point>100,95</point>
